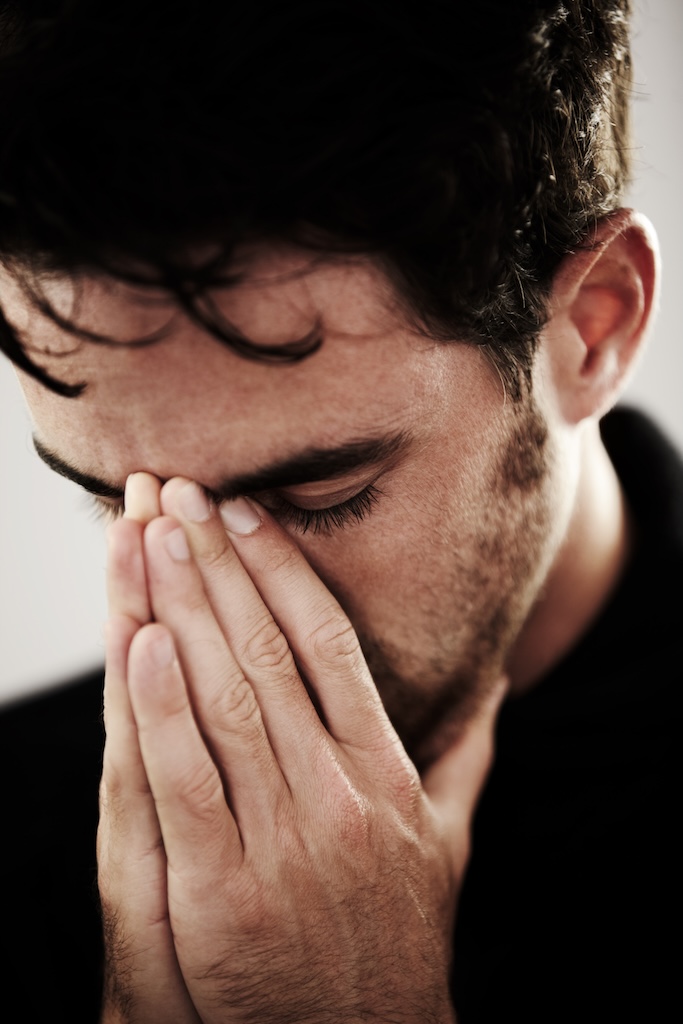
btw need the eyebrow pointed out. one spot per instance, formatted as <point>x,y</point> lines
<point>307,466</point>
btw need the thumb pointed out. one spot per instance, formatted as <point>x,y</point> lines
<point>455,781</point>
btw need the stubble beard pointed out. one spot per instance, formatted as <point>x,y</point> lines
<point>497,586</point>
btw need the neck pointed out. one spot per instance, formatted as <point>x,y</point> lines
<point>586,570</point>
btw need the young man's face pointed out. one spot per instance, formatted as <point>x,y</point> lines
<point>447,534</point>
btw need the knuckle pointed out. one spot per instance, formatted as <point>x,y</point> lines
<point>201,790</point>
<point>113,832</point>
<point>235,707</point>
<point>113,793</point>
<point>211,556</point>
<point>111,787</point>
<point>267,647</point>
<point>334,639</point>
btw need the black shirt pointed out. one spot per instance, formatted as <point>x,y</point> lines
<point>571,902</point>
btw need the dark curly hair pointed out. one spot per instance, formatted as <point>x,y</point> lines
<point>466,146</point>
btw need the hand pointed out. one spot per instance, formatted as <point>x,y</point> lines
<point>142,975</point>
<point>306,872</point>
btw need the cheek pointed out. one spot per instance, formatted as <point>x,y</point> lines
<point>423,533</point>
<point>444,556</point>
<point>390,571</point>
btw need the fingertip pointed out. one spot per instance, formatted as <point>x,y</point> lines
<point>169,494</point>
<point>142,497</point>
<point>152,649</point>
<point>241,516</point>
<point>155,680</point>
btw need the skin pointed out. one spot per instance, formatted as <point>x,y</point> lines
<point>453,528</point>
<point>498,532</point>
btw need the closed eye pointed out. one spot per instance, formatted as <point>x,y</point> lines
<point>323,520</point>
<point>303,520</point>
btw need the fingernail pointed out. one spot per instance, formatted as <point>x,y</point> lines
<point>240,516</point>
<point>194,504</point>
<point>176,545</point>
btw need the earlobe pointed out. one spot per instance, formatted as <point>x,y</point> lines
<point>602,307</point>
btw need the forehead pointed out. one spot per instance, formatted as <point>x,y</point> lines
<point>176,406</point>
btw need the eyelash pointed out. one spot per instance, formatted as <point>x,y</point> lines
<point>103,511</point>
<point>325,520</point>
<point>303,520</point>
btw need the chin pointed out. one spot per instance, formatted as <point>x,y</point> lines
<point>430,707</point>
<point>430,699</point>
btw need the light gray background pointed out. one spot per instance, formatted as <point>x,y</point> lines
<point>51,548</point>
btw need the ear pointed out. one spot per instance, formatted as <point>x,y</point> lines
<point>602,306</point>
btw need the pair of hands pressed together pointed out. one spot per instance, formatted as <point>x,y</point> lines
<point>261,860</point>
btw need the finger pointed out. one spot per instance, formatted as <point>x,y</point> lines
<point>141,499</point>
<point>124,782</point>
<point>126,577</point>
<point>200,835</point>
<point>454,782</point>
<point>131,860</point>
<point>322,639</point>
<point>224,703</point>
<point>255,639</point>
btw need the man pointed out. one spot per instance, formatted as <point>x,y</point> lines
<point>332,303</point>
